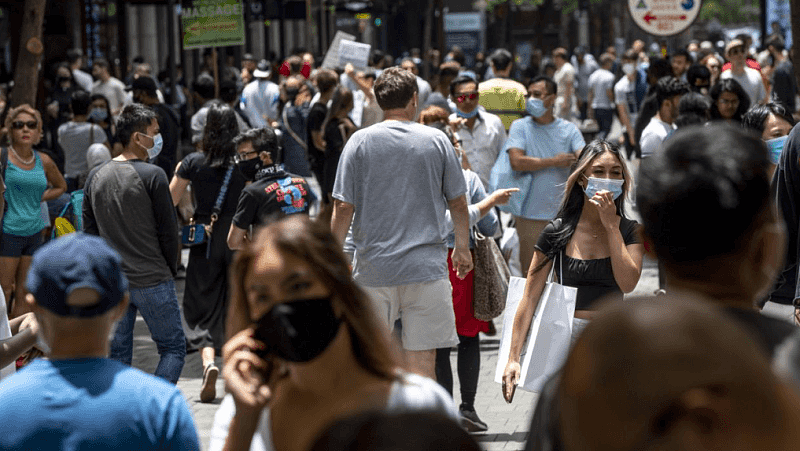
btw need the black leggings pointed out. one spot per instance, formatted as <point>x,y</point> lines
<point>469,366</point>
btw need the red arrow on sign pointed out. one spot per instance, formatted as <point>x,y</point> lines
<point>648,18</point>
<point>683,17</point>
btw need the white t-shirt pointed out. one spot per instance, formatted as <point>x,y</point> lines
<point>409,393</point>
<point>653,135</point>
<point>563,76</point>
<point>751,82</point>
<point>113,90</point>
<point>625,94</point>
<point>600,82</point>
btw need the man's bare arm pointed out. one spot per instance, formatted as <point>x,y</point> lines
<point>341,219</point>
<point>521,162</point>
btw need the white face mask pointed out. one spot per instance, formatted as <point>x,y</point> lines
<point>628,68</point>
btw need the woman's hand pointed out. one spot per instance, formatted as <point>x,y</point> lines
<point>502,195</point>
<point>244,373</point>
<point>603,200</point>
<point>510,378</point>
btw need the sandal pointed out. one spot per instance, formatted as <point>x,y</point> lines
<point>209,391</point>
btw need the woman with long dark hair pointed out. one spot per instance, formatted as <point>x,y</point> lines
<point>206,294</point>
<point>337,129</point>
<point>593,245</point>
<point>729,101</point>
<point>306,348</point>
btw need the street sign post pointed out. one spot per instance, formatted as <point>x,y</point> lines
<point>664,17</point>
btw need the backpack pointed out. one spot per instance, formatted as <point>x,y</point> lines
<point>71,217</point>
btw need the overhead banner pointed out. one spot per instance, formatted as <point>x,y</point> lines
<point>664,17</point>
<point>466,31</point>
<point>779,20</point>
<point>212,23</point>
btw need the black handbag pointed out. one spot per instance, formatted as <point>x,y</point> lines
<point>195,234</point>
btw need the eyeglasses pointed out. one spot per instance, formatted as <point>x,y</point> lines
<point>242,156</point>
<point>17,125</point>
<point>463,98</point>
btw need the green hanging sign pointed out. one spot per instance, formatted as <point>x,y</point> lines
<point>212,23</point>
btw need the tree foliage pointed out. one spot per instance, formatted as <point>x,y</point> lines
<point>730,11</point>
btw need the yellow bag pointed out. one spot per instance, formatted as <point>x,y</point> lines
<point>63,227</point>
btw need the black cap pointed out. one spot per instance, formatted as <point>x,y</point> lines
<point>143,83</point>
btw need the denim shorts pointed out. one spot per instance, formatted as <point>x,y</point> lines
<point>17,246</point>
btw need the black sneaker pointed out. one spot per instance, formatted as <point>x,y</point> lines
<point>470,420</point>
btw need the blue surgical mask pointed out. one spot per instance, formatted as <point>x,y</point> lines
<point>775,147</point>
<point>98,114</point>
<point>460,113</point>
<point>597,184</point>
<point>158,143</point>
<point>535,107</point>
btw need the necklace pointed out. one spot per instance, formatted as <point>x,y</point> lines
<point>29,161</point>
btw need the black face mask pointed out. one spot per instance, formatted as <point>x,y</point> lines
<point>249,168</point>
<point>60,80</point>
<point>298,331</point>
<point>291,93</point>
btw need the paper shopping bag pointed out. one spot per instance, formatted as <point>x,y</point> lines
<point>548,339</point>
<point>516,286</point>
<point>550,336</point>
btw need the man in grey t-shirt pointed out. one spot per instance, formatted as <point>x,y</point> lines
<point>394,182</point>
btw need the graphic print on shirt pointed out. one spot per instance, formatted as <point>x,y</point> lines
<point>291,192</point>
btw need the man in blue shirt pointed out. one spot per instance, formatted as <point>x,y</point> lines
<point>543,146</point>
<point>77,398</point>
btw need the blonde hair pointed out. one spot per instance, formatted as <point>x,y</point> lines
<point>16,111</point>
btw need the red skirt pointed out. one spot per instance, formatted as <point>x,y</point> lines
<point>466,324</point>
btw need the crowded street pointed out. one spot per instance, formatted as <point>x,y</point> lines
<point>451,225</point>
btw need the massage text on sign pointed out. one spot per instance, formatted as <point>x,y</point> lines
<point>664,17</point>
<point>212,23</point>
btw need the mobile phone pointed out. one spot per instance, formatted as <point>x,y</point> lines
<point>508,392</point>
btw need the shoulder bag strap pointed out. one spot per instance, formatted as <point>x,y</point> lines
<point>223,190</point>
<point>291,132</point>
<point>4,161</point>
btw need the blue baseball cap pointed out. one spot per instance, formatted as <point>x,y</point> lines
<point>74,261</point>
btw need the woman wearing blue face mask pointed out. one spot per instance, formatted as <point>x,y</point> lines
<point>591,242</point>
<point>773,122</point>
<point>306,348</point>
<point>100,114</point>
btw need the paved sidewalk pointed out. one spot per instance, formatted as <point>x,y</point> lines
<point>508,423</point>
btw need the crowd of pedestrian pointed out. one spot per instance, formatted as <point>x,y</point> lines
<point>332,216</point>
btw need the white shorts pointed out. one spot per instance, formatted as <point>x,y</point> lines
<point>424,309</point>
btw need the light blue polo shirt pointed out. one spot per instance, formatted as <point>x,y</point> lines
<point>544,141</point>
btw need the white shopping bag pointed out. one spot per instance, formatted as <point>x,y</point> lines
<point>548,339</point>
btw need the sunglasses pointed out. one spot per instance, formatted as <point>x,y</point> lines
<point>736,51</point>
<point>470,96</point>
<point>17,125</point>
